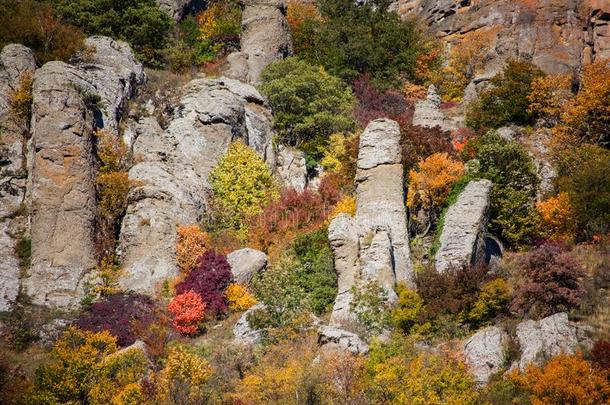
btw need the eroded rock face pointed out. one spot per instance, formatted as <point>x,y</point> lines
<point>177,9</point>
<point>540,340</point>
<point>291,167</point>
<point>428,112</point>
<point>373,246</point>
<point>62,178</point>
<point>598,31</point>
<point>246,263</point>
<point>15,62</point>
<point>242,331</point>
<point>462,240</point>
<point>334,338</point>
<point>265,38</point>
<point>547,32</point>
<point>484,353</point>
<point>173,170</point>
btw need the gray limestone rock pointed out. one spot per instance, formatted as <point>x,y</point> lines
<point>428,112</point>
<point>330,336</point>
<point>242,331</point>
<point>291,167</point>
<point>177,9</point>
<point>246,263</point>
<point>462,240</point>
<point>9,269</point>
<point>265,38</point>
<point>484,352</point>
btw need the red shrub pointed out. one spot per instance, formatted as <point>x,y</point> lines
<point>119,314</point>
<point>600,354</point>
<point>418,143</point>
<point>210,280</point>
<point>294,213</point>
<point>187,310</point>
<point>374,104</point>
<point>550,281</point>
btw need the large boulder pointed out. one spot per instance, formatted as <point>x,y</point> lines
<point>246,263</point>
<point>462,240</point>
<point>330,337</point>
<point>265,38</point>
<point>484,353</point>
<point>62,186</point>
<point>173,168</point>
<point>540,340</point>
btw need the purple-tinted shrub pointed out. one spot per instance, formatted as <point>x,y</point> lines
<point>373,104</point>
<point>550,281</point>
<point>210,280</point>
<point>121,315</point>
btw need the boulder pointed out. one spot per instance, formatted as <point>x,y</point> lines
<point>462,240</point>
<point>62,185</point>
<point>173,168</point>
<point>428,112</point>
<point>330,337</point>
<point>246,263</point>
<point>541,340</point>
<point>242,331</point>
<point>484,353</point>
<point>291,168</point>
<point>380,201</point>
<point>265,38</point>
<point>177,9</point>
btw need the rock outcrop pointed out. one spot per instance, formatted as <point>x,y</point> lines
<point>484,352</point>
<point>246,263</point>
<point>291,168</point>
<point>69,104</point>
<point>243,333</point>
<point>62,185</point>
<point>373,246</point>
<point>265,38</point>
<point>177,9</point>
<point>597,31</point>
<point>428,112</point>
<point>334,338</point>
<point>540,340</point>
<point>462,240</point>
<point>173,170</point>
<point>16,61</point>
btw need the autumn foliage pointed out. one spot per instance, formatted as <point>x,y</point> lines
<point>239,298</point>
<point>557,217</point>
<point>192,244</point>
<point>565,380</point>
<point>187,310</point>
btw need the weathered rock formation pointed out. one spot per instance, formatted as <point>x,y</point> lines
<point>548,32</point>
<point>244,333</point>
<point>246,263</point>
<point>536,341</point>
<point>462,240</point>
<point>373,246</point>
<point>291,167</point>
<point>177,9</point>
<point>15,62</point>
<point>173,170</point>
<point>485,353</point>
<point>265,38</point>
<point>334,338</point>
<point>62,164</point>
<point>428,112</point>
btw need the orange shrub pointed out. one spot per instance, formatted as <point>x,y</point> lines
<point>300,11</point>
<point>565,380</point>
<point>557,217</point>
<point>187,310</point>
<point>431,182</point>
<point>192,244</point>
<point>549,96</point>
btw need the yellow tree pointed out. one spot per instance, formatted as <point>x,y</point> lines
<point>557,217</point>
<point>549,96</point>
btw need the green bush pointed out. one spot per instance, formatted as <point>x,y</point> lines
<point>315,270</point>
<point>506,100</point>
<point>408,308</point>
<point>584,175</point>
<point>370,304</point>
<point>309,105</point>
<point>355,38</point>
<point>139,22</point>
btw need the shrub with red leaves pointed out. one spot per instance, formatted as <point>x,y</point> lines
<point>418,143</point>
<point>210,279</point>
<point>187,310</point>
<point>294,213</point>
<point>550,281</point>
<point>374,104</point>
<point>600,354</point>
<point>119,314</point>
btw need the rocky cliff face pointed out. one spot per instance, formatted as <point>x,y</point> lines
<point>16,61</point>
<point>557,35</point>
<point>173,170</point>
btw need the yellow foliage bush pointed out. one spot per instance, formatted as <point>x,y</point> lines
<point>184,376</point>
<point>557,216</point>
<point>240,299</point>
<point>242,184</point>
<point>347,205</point>
<point>192,244</point>
<point>337,148</point>
<point>430,183</point>
<point>20,99</point>
<point>117,379</point>
<point>549,96</point>
<point>108,273</point>
<point>565,379</point>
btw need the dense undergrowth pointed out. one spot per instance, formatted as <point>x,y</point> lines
<point>353,63</point>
